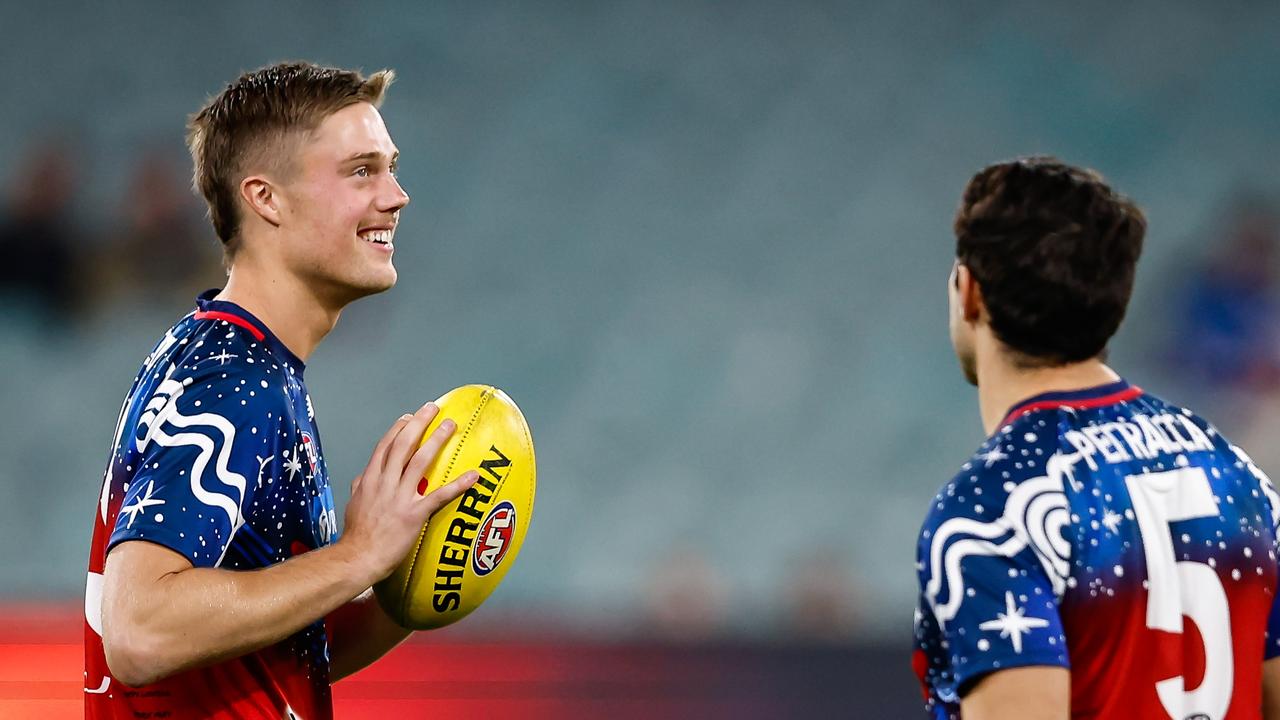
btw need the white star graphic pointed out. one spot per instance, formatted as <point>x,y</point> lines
<point>141,504</point>
<point>993,455</point>
<point>1012,624</point>
<point>1111,520</point>
<point>293,466</point>
<point>223,357</point>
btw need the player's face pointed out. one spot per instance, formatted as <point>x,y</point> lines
<point>344,202</point>
<point>961,332</point>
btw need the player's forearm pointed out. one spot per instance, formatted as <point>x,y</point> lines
<point>200,616</point>
<point>360,632</point>
<point>1021,693</point>
<point>1271,689</point>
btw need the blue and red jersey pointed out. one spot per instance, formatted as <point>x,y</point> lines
<point>217,457</point>
<point>1111,533</point>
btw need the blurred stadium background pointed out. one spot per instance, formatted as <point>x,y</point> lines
<point>703,245</point>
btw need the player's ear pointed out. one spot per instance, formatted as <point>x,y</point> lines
<point>259,195</point>
<point>971,305</point>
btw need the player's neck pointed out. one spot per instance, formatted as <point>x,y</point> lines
<point>295,314</point>
<point>1002,384</point>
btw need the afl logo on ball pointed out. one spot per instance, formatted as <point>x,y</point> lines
<point>494,537</point>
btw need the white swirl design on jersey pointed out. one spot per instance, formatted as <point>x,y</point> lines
<point>147,365</point>
<point>162,410</point>
<point>1035,514</point>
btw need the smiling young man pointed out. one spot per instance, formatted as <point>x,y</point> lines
<point>218,584</point>
<point>1104,554</point>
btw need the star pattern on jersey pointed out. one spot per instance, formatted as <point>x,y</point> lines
<point>992,456</point>
<point>293,465</point>
<point>141,503</point>
<point>223,357</point>
<point>1012,623</point>
<point>1111,520</point>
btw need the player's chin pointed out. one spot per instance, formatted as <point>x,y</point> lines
<point>374,282</point>
<point>383,280</point>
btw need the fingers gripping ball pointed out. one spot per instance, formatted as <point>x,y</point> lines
<point>468,546</point>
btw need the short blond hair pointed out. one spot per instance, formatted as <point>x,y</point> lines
<point>256,119</point>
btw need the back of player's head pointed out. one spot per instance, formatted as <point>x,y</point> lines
<point>250,124</point>
<point>1053,249</point>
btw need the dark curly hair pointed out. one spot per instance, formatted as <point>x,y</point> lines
<point>1053,249</point>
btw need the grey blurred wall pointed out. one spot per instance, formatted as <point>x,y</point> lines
<point>703,244</point>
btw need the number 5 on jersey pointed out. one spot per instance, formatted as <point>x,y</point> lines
<point>1176,588</point>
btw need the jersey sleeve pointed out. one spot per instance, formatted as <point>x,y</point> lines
<point>1271,649</point>
<point>992,565</point>
<point>196,442</point>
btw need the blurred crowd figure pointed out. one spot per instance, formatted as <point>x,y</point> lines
<point>161,252</point>
<point>62,265</point>
<point>690,600</point>
<point>1228,338</point>
<point>687,597</point>
<point>40,242</point>
<point>821,599</point>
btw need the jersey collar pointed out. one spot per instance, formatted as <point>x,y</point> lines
<point>1094,397</point>
<point>209,309</point>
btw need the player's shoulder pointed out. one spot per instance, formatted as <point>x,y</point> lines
<point>1190,430</point>
<point>1010,494</point>
<point>216,344</point>
<point>220,343</point>
<point>221,334</point>
<point>213,367</point>
<point>1018,462</point>
<point>1233,458</point>
<point>1200,434</point>
<point>218,365</point>
<point>1002,514</point>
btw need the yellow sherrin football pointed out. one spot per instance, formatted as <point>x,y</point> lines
<point>468,546</point>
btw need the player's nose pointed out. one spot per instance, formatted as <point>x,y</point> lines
<point>393,198</point>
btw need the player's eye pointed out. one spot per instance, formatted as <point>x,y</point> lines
<point>362,171</point>
<point>394,169</point>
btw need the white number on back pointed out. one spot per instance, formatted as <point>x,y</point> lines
<point>1182,588</point>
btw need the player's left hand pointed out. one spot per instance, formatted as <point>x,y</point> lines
<point>386,512</point>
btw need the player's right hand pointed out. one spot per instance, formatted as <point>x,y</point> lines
<point>386,513</point>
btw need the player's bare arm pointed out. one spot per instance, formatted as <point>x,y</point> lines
<point>1271,689</point>
<point>360,632</point>
<point>162,616</point>
<point>1026,693</point>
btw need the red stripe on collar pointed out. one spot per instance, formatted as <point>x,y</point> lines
<point>233,319</point>
<point>1128,393</point>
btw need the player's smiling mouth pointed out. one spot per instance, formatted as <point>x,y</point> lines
<point>378,235</point>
